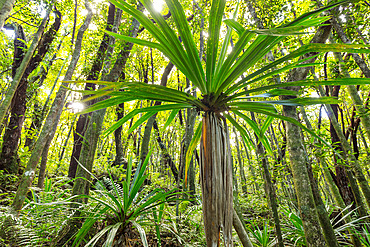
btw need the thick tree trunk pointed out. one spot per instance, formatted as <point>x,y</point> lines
<point>216,180</point>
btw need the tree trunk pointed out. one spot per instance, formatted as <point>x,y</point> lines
<point>332,187</point>
<point>118,136</point>
<point>51,119</point>
<point>216,180</point>
<point>6,7</point>
<point>240,163</point>
<point>352,161</point>
<point>148,127</point>
<point>8,156</point>
<point>82,121</point>
<point>20,71</point>
<point>240,230</point>
<point>298,157</point>
<point>167,158</point>
<point>340,170</point>
<point>81,186</point>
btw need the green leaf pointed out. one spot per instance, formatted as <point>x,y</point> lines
<point>215,20</point>
<point>140,121</point>
<point>146,109</point>
<point>170,118</point>
<point>241,130</point>
<point>112,234</point>
<point>142,233</point>
<point>256,130</point>
<point>193,144</point>
<point>137,41</point>
<point>188,40</point>
<point>235,25</point>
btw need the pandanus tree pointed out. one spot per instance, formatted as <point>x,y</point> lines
<point>223,92</point>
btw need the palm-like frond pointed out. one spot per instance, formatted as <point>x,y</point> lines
<point>222,90</point>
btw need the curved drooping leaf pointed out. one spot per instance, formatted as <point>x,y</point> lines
<point>151,109</point>
<point>193,144</point>
<point>261,137</point>
<point>170,118</point>
<point>312,47</point>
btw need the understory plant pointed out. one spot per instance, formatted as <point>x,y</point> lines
<point>121,208</point>
<point>262,237</point>
<point>345,223</point>
<point>223,94</point>
<point>41,217</point>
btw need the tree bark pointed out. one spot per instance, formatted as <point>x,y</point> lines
<point>167,158</point>
<point>8,156</point>
<point>347,154</point>
<point>332,187</point>
<point>51,119</point>
<point>20,71</point>
<point>216,180</point>
<point>82,121</point>
<point>81,186</point>
<point>6,7</point>
<point>298,159</point>
<point>240,230</point>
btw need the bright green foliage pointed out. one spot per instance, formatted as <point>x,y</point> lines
<point>122,207</point>
<point>262,237</point>
<point>218,79</point>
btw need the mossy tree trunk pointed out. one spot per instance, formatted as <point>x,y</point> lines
<point>298,157</point>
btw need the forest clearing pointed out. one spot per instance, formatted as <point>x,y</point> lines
<point>184,123</point>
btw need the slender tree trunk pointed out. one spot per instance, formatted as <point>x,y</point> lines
<point>82,121</point>
<point>51,119</point>
<point>118,136</point>
<point>269,186</point>
<point>216,176</point>
<point>8,161</point>
<point>298,159</point>
<point>39,112</point>
<point>166,156</point>
<point>22,67</point>
<point>240,230</point>
<point>240,163</point>
<point>341,173</point>
<point>81,186</point>
<point>148,127</point>
<point>6,7</point>
<point>8,156</point>
<point>352,161</point>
